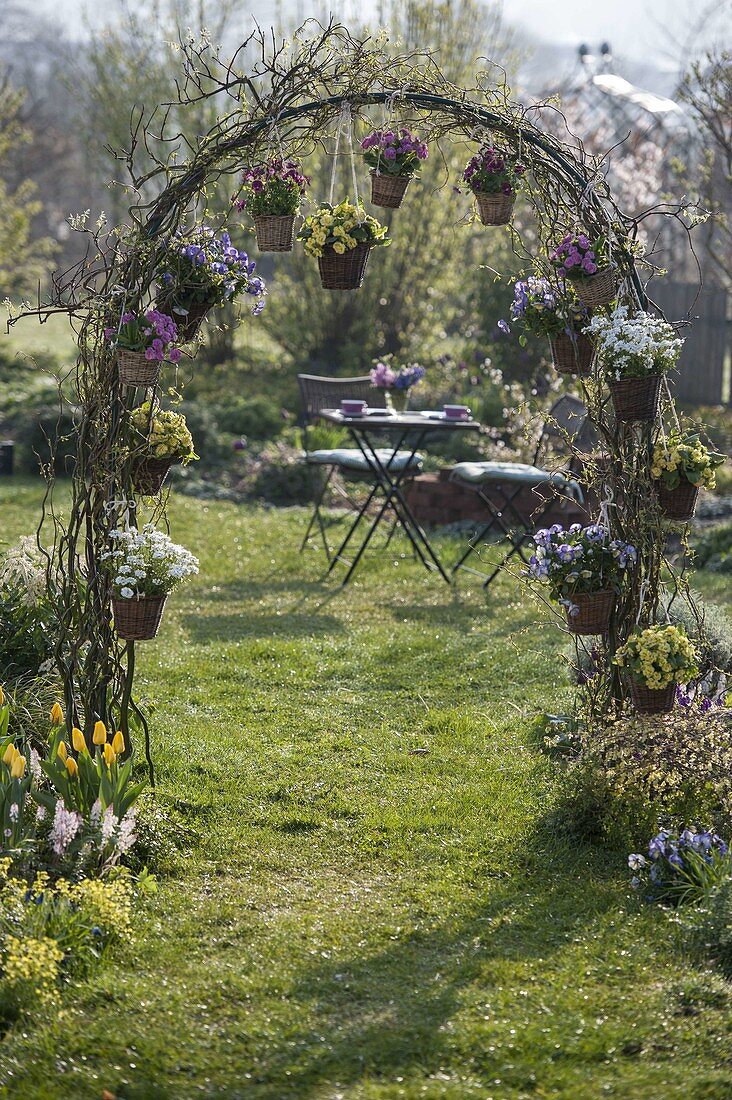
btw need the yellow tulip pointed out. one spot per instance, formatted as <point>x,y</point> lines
<point>17,768</point>
<point>71,766</point>
<point>109,755</point>
<point>9,754</point>
<point>99,737</point>
<point>118,742</point>
<point>62,751</point>
<point>77,740</point>
<point>57,715</point>
<point>2,696</point>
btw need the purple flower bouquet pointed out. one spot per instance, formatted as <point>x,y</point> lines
<point>586,262</point>
<point>273,191</point>
<point>201,270</point>
<point>143,342</point>
<point>394,159</point>
<point>494,178</point>
<point>396,384</point>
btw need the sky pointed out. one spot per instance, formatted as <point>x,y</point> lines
<point>642,29</point>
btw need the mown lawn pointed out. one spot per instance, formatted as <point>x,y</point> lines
<point>376,902</point>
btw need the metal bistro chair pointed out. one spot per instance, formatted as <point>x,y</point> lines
<point>318,393</point>
<point>567,428</point>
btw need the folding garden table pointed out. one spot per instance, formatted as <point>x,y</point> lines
<point>389,467</point>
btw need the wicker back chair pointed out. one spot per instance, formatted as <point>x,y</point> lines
<point>320,393</point>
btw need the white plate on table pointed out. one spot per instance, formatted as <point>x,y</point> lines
<point>429,415</point>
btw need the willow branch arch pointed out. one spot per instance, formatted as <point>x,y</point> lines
<point>96,669</point>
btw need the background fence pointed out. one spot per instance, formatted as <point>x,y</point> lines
<point>705,360</point>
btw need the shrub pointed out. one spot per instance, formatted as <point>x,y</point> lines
<point>213,448</point>
<point>634,773</point>
<point>278,475</point>
<point>713,550</point>
<point>254,417</point>
<point>44,431</point>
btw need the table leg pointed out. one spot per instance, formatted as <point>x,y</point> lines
<point>391,486</point>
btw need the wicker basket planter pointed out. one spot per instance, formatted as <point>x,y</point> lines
<point>136,370</point>
<point>678,503</point>
<point>495,209</point>
<point>652,701</point>
<point>595,609</point>
<point>636,399</point>
<point>572,355</point>
<point>595,290</point>
<point>344,271</point>
<point>387,190</point>
<point>151,473</point>
<point>138,620</point>
<point>275,232</point>
<point>189,325</point>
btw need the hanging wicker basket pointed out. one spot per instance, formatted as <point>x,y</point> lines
<point>593,617</point>
<point>495,209</point>
<point>150,475</point>
<point>345,270</point>
<point>138,619</point>
<point>572,354</point>
<point>679,503</point>
<point>189,323</point>
<point>136,370</point>
<point>636,399</point>
<point>275,232</point>
<point>652,701</point>
<point>388,190</point>
<point>595,290</point>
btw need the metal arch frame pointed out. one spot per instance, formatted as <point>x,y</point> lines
<point>426,101</point>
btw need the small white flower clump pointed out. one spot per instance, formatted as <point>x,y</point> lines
<point>23,569</point>
<point>634,346</point>
<point>146,562</point>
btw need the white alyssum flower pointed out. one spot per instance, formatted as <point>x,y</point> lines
<point>146,562</point>
<point>634,345</point>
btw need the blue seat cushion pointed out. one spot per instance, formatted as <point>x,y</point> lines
<point>349,458</point>
<point>480,473</point>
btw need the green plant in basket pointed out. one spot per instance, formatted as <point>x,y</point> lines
<point>658,656</point>
<point>684,456</point>
<point>163,433</point>
<point>342,228</point>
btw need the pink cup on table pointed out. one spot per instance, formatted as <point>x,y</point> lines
<point>352,407</point>
<point>456,412</point>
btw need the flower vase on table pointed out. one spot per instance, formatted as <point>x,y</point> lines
<point>395,382</point>
<point>397,401</point>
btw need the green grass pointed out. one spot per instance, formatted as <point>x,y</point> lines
<point>375,904</point>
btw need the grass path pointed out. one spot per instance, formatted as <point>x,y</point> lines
<point>375,903</point>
